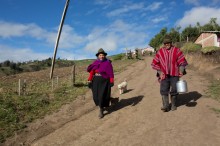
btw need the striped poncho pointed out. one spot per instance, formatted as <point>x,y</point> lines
<point>169,61</point>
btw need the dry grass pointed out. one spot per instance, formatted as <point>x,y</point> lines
<point>16,111</point>
<point>208,66</point>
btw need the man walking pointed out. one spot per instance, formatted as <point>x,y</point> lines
<point>170,65</point>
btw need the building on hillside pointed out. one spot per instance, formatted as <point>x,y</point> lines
<point>209,38</point>
<point>149,49</point>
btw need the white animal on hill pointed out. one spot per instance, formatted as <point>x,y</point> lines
<point>123,87</point>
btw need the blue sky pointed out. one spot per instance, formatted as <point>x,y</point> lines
<point>28,28</point>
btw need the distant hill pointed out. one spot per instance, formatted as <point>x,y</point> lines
<point>8,67</point>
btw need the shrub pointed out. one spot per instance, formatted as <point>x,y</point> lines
<point>210,49</point>
<point>118,57</point>
<point>191,47</point>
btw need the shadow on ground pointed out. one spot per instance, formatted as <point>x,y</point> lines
<point>80,85</point>
<point>124,103</point>
<point>188,99</point>
<point>129,90</point>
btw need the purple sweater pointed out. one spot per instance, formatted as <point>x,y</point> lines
<point>104,67</point>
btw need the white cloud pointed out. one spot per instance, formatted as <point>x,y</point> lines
<point>102,2</point>
<point>154,6</point>
<point>90,12</point>
<point>199,14</point>
<point>20,54</point>
<point>202,2</point>
<point>112,38</point>
<point>8,30</point>
<point>109,43</point>
<point>69,38</point>
<point>159,19</point>
<point>71,55</point>
<point>125,9</point>
<point>117,35</point>
<point>215,1</point>
<point>27,54</point>
<point>194,2</point>
<point>106,3</point>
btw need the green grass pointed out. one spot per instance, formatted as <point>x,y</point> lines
<point>214,90</point>
<point>216,110</point>
<point>118,57</point>
<point>210,49</point>
<point>191,47</point>
<point>16,111</point>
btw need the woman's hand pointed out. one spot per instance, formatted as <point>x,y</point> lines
<point>90,84</point>
<point>111,84</point>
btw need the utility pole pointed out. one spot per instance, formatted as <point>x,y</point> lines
<point>58,38</point>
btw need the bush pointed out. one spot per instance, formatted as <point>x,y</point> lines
<point>211,49</point>
<point>191,47</point>
<point>13,65</point>
<point>6,63</point>
<point>118,57</point>
<point>35,67</point>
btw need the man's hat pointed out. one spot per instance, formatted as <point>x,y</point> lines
<point>101,51</point>
<point>167,39</point>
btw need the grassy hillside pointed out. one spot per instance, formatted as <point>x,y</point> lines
<point>8,67</point>
<point>38,97</point>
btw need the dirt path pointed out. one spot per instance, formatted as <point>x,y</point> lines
<point>135,121</point>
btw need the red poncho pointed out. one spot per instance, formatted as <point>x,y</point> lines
<point>169,61</point>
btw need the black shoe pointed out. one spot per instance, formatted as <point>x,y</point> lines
<point>173,103</point>
<point>165,109</point>
<point>165,100</point>
<point>173,108</point>
<point>101,114</point>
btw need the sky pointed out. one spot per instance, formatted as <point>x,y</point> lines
<point>28,28</point>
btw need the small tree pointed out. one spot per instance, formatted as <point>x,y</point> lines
<point>6,63</point>
<point>13,65</point>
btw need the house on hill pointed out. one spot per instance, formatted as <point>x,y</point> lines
<point>209,38</point>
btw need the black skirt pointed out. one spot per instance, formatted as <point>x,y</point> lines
<point>101,91</point>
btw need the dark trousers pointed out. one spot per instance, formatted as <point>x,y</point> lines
<point>168,86</point>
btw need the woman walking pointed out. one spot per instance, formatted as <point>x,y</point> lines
<point>101,79</point>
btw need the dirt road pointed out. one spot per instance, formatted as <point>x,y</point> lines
<point>136,120</point>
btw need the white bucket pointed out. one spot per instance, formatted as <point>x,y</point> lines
<point>181,86</point>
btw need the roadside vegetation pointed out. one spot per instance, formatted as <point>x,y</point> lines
<point>39,98</point>
<point>206,60</point>
<point>188,34</point>
<point>9,67</point>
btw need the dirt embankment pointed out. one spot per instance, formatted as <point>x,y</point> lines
<point>136,120</point>
<point>205,64</point>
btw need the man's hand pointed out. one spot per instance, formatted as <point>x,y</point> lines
<point>162,76</point>
<point>180,74</point>
<point>181,71</point>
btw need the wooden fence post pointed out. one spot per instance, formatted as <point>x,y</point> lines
<point>73,75</point>
<point>24,86</point>
<point>52,84</point>
<point>19,87</point>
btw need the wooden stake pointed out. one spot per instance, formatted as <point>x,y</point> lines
<point>58,38</point>
<point>73,74</point>
<point>19,87</point>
